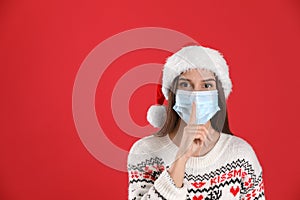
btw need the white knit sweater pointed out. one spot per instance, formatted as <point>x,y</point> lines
<point>229,171</point>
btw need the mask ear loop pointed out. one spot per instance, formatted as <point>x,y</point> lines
<point>210,123</point>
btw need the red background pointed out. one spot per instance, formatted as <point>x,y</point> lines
<point>43,43</point>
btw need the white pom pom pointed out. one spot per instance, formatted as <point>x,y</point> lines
<point>157,115</point>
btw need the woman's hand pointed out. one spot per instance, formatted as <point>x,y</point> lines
<point>193,139</point>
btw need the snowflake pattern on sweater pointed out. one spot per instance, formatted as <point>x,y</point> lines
<point>229,171</point>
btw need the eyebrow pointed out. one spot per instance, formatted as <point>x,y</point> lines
<point>206,80</point>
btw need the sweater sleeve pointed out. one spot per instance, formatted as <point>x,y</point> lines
<point>149,178</point>
<point>252,181</point>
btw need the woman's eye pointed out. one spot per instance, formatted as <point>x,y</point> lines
<point>208,85</point>
<point>184,84</point>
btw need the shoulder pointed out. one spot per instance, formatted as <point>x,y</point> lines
<point>144,145</point>
<point>145,152</point>
<point>243,150</point>
<point>240,144</point>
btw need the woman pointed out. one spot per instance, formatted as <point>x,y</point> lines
<point>194,155</point>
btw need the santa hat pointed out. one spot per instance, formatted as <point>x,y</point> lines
<point>190,57</point>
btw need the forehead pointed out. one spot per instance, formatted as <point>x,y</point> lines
<point>197,74</point>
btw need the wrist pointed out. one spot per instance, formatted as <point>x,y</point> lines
<point>182,159</point>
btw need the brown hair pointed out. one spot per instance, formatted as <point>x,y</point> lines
<point>219,121</point>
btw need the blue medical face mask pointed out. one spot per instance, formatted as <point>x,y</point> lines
<point>206,105</point>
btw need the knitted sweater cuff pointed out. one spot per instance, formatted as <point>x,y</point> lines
<point>167,188</point>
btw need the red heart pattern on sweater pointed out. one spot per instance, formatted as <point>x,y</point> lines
<point>198,198</point>
<point>234,191</point>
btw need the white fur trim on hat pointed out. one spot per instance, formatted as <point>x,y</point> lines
<point>157,115</point>
<point>196,57</point>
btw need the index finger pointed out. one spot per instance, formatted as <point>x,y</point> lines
<point>193,114</point>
